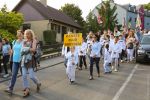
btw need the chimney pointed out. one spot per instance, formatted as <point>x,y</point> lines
<point>44,2</point>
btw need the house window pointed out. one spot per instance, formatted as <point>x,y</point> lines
<point>55,27</point>
<point>58,28</point>
<point>26,26</point>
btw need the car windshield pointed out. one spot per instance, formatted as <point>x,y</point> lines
<point>146,39</point>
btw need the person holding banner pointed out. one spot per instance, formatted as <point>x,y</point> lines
<point>72,57</point>
<point>95,56</point>
<point>82,54</point>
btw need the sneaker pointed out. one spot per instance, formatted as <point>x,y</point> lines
<point>38,87</point>
<point>112,67</point>
<point>6,75</point>
<point>116,70</point>
<point>91,78</point>
<point>121,61</point>
<point>9,91</point>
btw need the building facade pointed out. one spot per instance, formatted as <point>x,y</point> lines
<point>39,17</point>
<point>129,13</point>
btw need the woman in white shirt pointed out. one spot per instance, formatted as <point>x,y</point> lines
<point>115,49</point>
<point>95,56</point>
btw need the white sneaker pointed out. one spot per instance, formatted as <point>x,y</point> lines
<point>116,70</point>
<point>112,67</point>
<point>121,61</point>
<point>6,75</point>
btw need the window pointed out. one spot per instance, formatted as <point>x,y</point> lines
<point>55,27</point>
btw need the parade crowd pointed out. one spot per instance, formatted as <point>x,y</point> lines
<point>111,48</point>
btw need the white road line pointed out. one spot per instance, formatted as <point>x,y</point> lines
<point>148,87</point>
<point>116,97</point>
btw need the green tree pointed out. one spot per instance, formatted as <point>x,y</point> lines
<point>108,15</point>
<point>147,6</point>
<point>10,21</point>
<point>74,12</point>
<point>92,23</point>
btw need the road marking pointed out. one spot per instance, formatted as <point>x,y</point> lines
<point>116,97</point>
<point>148,87</point>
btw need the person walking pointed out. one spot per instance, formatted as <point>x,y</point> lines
<point>82,54</point>
<point>115,49</point>
<point>6,50</point>
<point>72,57</point>
<point>107,60</point>
<point>16,58</point>
<point>130,46</point>
<point>95,56</point>
<point>27,62</point>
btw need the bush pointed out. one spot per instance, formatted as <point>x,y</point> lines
<point>49,36</point>
<point>7,35</point>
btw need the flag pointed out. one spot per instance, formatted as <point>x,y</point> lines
<point>124,22</point>
<point>99,20</point>
<point>138,21</point>
<point>129,22</point>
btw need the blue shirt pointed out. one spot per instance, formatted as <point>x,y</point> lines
<point>5,49</point>
<point>96,47</point>
<point>17,51</point>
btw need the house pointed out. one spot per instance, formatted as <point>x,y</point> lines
<point>39,17</point>
<point>129,13</point>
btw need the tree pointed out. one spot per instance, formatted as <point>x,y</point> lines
<point>147,6</point>
<point>108,15</point>
<point>92,23</point>
<point>74,12</point>
<point>10,21</point>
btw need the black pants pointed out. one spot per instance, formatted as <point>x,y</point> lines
<point>82,59</point>
<point>96,60</point>
<point>5,63</point>
<point>122,54</point>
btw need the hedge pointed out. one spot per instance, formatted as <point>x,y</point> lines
<point>49,36</point>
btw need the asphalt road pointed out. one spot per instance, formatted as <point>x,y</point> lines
<point>132,82</point>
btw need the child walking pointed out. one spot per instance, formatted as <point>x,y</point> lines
<point>72,57</point>
<point>107,60</point>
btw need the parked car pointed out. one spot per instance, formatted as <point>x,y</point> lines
<point>143,50</point>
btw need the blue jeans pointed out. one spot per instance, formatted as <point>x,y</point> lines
<point>31,75</point>
<point>15,69</point>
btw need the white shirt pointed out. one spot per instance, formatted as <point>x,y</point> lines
<point>95,49</point>
<point>115,49</point>
<point>107,56</point>
<point>72,57</point>
<point>82,49</point>
<point>122,45</point>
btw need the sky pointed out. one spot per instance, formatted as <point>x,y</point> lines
<point>84,5</point>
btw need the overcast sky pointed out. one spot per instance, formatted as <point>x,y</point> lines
<point>84,5</point>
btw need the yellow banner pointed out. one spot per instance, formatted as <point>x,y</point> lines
<point>73,39</point>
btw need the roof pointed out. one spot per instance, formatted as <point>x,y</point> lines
<point>49,13</point>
